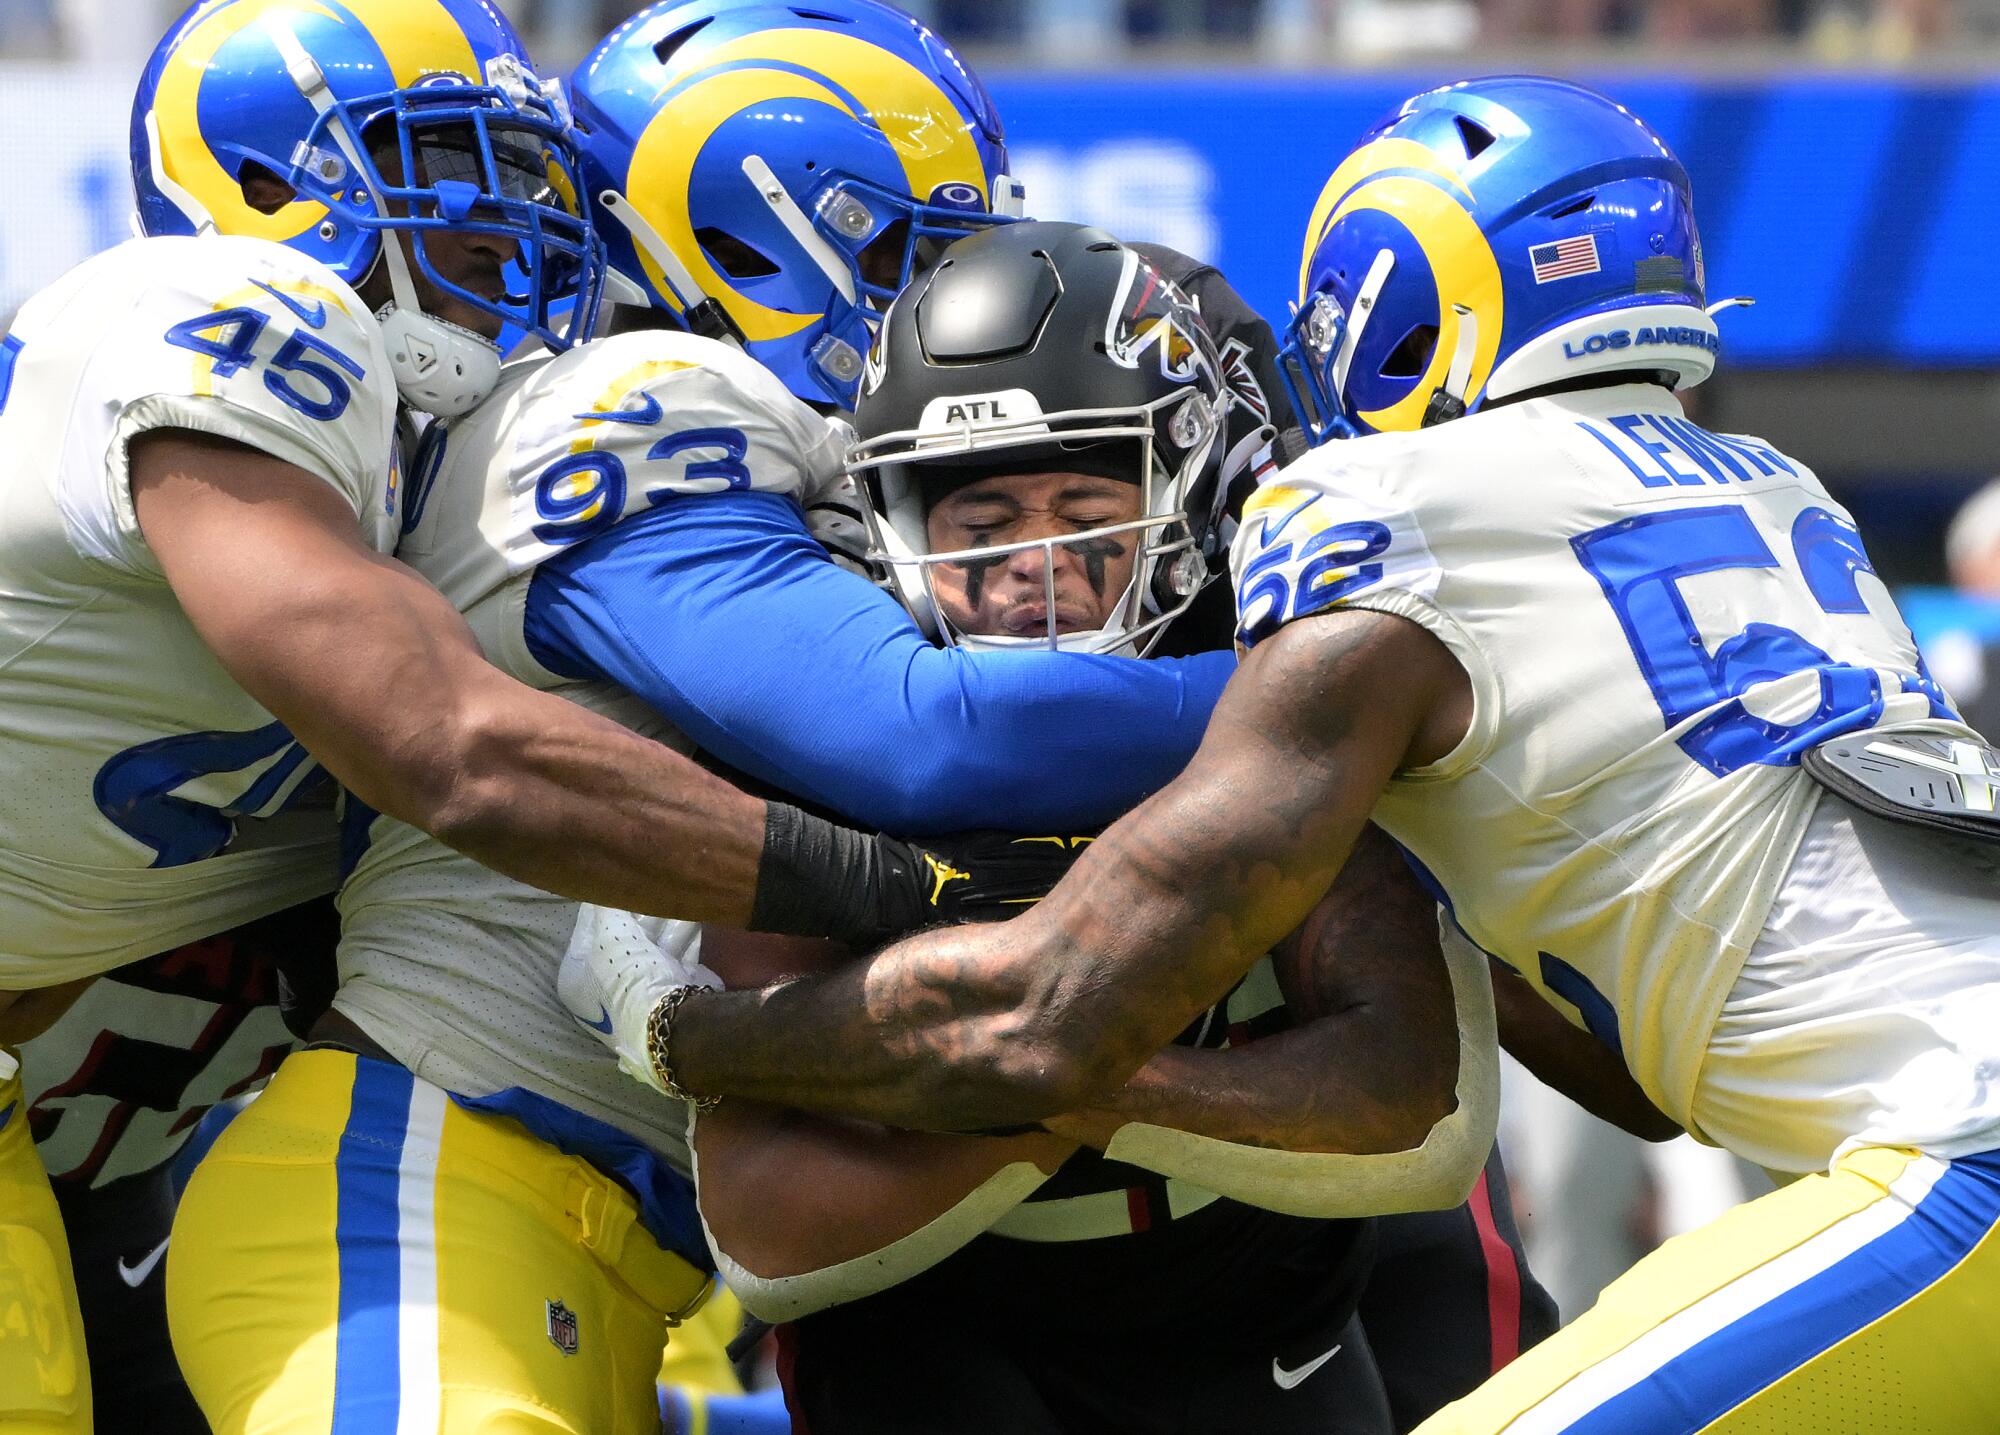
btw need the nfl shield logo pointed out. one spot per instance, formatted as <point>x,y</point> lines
<point>562,1327</point>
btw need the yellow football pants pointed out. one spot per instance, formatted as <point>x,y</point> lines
<point>359,1255</point>
<point>44,1380</point>
<point>1863,1300</point>
<point>697,1358</point>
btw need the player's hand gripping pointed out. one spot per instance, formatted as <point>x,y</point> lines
<point>981,876</point>
<point>623,976</point>
<point>818,879</point>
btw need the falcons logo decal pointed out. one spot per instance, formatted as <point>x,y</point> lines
<point>1242,380</point>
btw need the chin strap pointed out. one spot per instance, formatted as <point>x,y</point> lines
<point>1357,320</point>
<point>1448,399</point>
<point>196,212</point>
<point>442,368</point>
<point>798,226</point>
<point>702,312</point>
<point>839,360</point>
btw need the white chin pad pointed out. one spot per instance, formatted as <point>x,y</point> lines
<point>440,368</point>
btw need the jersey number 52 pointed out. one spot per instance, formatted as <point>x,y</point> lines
<point>1639,563</point>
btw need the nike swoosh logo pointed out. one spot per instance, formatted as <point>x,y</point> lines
<point>1288,1379</point>
<point>135,1276</point>
<point>649,412</point>
<point>1272,530</point>
<point>315,316</point>
<point>603,1022</point>
<point>7,1114</point>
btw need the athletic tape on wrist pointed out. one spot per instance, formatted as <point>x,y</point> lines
<point>816,879</point>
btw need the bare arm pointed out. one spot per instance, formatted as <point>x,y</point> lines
<point>786,1193</point>
<point>381,680</point>
<point>1573,1061</point>
<point>1373,1066</point>
<point>1016,1022</point>
<point>791,1198</point>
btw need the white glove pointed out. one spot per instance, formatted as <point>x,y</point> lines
<point>617,969</point>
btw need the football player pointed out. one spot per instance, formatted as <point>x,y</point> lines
<point>1042,522</point>
<point>1632,694</point>
<point>457,1211</point>
<point>1038,525</point>
<point>200,471</point>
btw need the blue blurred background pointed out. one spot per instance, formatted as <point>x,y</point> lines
<point>1859,210</point>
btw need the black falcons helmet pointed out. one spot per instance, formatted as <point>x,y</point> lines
<point>1045,346</point>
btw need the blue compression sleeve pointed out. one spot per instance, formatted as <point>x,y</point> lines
<point>723,614</point>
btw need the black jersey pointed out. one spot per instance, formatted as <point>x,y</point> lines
<point>1091,1196</point>
<point>1074,1306</point>
<point>116,1086</point>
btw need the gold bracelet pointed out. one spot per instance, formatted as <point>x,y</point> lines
<point>659,1043</point>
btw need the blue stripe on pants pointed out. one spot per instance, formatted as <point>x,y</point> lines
<point>1714,1376</point>
<point>367,1361</point>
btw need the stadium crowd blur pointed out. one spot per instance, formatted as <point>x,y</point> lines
<point>1227,31</point>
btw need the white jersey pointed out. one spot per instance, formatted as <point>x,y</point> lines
<point>144,791</point>
<point>1656,621</point>
<point>451,967</point>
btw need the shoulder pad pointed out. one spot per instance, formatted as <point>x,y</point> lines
<point>240,338</point>
<point>623,425</point>
<point>1324,533</point>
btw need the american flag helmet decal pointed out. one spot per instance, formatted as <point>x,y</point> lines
<point>1565,258</point>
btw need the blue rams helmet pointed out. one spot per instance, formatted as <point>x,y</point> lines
<point>1489,238</point>
<point>314,92</point>
<point>776,173</point>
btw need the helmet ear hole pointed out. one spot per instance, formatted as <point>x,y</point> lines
<point>665,51</point>
<point>263,191</point>
<point>732,256</point>
<point>1412,356</point>
<point>1476,136</point>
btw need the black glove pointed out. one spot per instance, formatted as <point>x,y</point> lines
<point>986,876</point>
<point>820,880</point>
